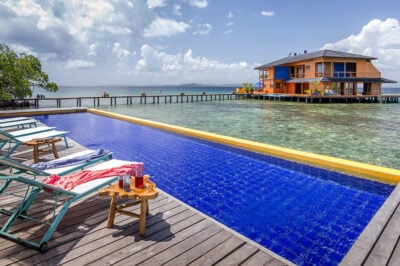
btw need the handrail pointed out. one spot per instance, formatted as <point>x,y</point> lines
<point>89,101</point>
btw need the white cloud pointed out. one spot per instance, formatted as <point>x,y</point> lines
<point>188,68</point>
<point>202,29</point>
<point>155,3</point>
<point>93,49</point>
<point>267,13</point>
<point>102,36</point>
<point>153,60</point>
<point>79,64</point>
<point>177,10</point>
<point>230,24</point>
<point>199,3</point>
<point>22,49</point>
<point>379,39</point>
<point>230,15</point>
<point>29,8</point>
<point>228,31</point>
<point>119,52</point>
<point>164,27</point>
<point>115,30</point>
<point>84,15</point>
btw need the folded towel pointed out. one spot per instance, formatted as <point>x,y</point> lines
<point>70,181</point>
<point>70,161</point>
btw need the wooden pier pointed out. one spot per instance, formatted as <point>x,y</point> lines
<point>384,98</point>
<point>118,100</point>
<point>93,101</point>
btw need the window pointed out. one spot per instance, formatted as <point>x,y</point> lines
<point>319,69</point>
<point>264,74</point>
<point>297,71</point>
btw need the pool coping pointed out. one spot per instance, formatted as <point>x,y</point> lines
<point>379,173</point>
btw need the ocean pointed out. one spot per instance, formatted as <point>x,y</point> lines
<point>366,133</point>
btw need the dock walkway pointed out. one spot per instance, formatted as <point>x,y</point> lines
<point>384,98</point>
<point>176,234</point>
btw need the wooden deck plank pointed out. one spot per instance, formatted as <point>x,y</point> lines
<point>219,252</point>
<point>181,247</point>
<point>395,258</point>
<point>177,235</point>
<point>202,248</point>
<point>260,258</point>
<point>240,255</point>
<point>382,250</point>
<point>101,236</point>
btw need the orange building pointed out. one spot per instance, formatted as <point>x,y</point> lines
<point>323,72</point>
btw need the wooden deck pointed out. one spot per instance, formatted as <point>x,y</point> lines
<point>176,234</point>
<point>384,98</point>
<point>379,243</point>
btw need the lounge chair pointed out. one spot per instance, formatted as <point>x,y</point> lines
<point>13,119</point>
<point>24,132</point>
<point>34,188</point>
<point>61,166</point>
<point>15,142</point>
<point>29,131</point>
<point>19,124</point>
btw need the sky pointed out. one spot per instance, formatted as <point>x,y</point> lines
<point>171,42</point>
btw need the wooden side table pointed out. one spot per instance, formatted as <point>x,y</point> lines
<point>39,142</point>
<point>141,196</point>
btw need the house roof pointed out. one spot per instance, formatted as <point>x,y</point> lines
<point>312,55</point>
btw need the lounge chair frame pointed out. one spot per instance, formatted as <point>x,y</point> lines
<point>29,131</point>
<point>34,188</point>
<point>19,124</point>
<point>13,119</point>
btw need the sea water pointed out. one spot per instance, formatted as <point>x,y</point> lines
<point>366,133</point>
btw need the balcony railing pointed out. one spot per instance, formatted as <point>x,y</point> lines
<point>297,76</point>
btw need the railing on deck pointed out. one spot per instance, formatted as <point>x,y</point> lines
<point>89,101</point>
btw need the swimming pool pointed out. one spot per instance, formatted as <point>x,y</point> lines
<point>305,214</point>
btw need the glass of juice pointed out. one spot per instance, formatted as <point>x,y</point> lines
<point>139,182</point>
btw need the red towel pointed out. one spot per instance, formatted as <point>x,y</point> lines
<point>68,182</point>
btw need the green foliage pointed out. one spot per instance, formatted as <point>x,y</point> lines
<point>248,87</point>
<point>19,72</point>
<point>316,85</point>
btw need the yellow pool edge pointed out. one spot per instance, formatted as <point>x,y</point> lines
<point>382,174</point>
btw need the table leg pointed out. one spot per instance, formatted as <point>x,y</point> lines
<point>53,145</point>
<point>111,214</point>
<point>143,211</point>
<point>36,153</point>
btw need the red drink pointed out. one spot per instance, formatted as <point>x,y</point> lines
<point>139,182</point>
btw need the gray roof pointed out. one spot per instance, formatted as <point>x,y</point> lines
<point>312,55</point>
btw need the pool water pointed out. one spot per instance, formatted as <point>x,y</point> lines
<point>305,214</point>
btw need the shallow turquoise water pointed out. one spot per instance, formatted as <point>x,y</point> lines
<point>361,132</point>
